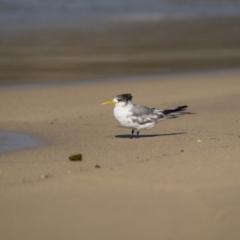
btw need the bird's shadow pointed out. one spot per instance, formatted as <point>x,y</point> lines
<point>149,135</point>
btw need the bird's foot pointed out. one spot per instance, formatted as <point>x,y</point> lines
<point>137,135</point>
<point>131,137</point>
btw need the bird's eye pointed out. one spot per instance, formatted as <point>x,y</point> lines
<point>120,100</point>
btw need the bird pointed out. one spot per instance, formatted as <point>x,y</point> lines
<point>137,117</point>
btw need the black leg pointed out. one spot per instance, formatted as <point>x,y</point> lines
<point>137,134</point>
<point>132,134</point>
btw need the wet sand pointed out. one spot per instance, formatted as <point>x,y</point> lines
<point>179,180</point>
<point>47,50</point>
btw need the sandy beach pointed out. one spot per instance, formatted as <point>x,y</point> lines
<point>179,180</point>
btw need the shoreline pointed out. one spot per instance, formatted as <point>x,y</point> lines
<point>119,49</point>
<point>119,79</point>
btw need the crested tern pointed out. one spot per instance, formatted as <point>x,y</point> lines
<point>139,117</point>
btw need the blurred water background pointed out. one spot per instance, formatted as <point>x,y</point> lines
<point>62,40</point>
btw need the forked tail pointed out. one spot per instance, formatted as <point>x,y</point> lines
<point>175,112</point>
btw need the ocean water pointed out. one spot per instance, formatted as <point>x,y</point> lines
<point>81,8</point>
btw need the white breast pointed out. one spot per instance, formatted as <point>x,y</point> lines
<point>122,114</point>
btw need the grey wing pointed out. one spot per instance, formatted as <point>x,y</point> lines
<point>143,115</point>
<point>138,110</point>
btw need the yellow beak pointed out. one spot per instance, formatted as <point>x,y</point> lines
<point>109,102</point>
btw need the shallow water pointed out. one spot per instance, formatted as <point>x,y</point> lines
<point>78,8</point>
<point>11,141</point>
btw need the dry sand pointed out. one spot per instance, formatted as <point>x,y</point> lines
<point>179,180</point>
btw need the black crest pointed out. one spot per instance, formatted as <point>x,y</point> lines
<point>124,97</point>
